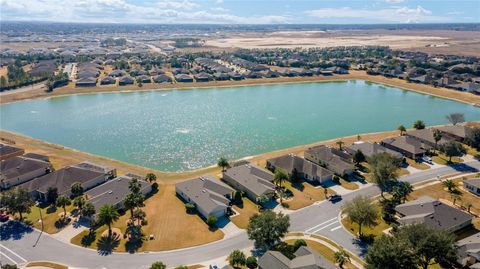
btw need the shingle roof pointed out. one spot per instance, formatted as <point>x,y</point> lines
<point>206,192</point>
<point>431,212</point>
<point>7,149</point>
<point>426,135</point>
<point>406,143</point>
<point>253,178</point>
<point>12,168</point>
<point>334,161</point>
<point>457,130</point>
<point>369,149</point>
<point>290,162</point>
<point>474,182</point>
<point>305,258</point>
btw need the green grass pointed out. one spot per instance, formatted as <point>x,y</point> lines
<point>49,217</point>
<point>442,159</point>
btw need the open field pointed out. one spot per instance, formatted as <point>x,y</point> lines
<point>464,97</point>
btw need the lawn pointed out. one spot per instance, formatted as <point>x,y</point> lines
<point>470,150</point>
<point>248,209</point>
<point>168,222</point>
<point>348,185</point>
<point>376,230</point>
<point>417,165</point>
<point>323,251</point>
<point>49,217</point>
<point>442,159</point>
<point>304,194</point>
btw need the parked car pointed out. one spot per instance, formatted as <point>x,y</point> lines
<point>335,198</point>
<point>427,160</point>
<point>214,266</point>
<point>3,217</point>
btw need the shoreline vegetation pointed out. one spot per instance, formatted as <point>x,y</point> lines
<point>440,92</point>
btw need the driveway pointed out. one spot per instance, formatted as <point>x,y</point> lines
<point>321,218</point>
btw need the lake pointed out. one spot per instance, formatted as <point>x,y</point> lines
<point>181,130</point>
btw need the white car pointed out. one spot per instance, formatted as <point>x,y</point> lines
<point>427,159</point>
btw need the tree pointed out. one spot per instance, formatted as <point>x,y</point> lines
<point>361,211</point>
<point>251,262</point>
<point>456,196</point>
<point>341,257</point>
<point>473,138</point>
<point>267,228</point>
<point>3,81</point>
<point>237,198</point>
<point>401,191</point>
<point>430,246</point>
<point>52,194</point>
<point>158,265</point>
<point>359,157</point>
<point>279,177</point>
<point>236,258</point>
<point>107,216</point>
<point>79,202</point>
<point>359,137</point>
<point>16,200</point>
<point>299,243</point>
<point>151,177</point>
<point>453,149</point>
<point>419,125</point>
<point>63,201</point>
<point>456,118</point>
<point>76,189</point>
<point>139,215</point>
<point>340,143</point>
<point>402,129</point>
<point>468,205</point>
<point>130,203</point>
<point>212,220</point>
<point>384,168</point>
<point>88,210</point>
<point>437,136</point>
<point>450,185</point>
<point>389,252</point>
<point>223,163</point>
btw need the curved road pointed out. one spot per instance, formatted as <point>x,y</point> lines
<point>320,218</point>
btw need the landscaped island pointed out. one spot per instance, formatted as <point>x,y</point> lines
<point>186,130</point>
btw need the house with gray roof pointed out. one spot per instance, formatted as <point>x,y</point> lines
<point>334,160</point>
<point>456,132</point>
<point>468,251</point>
<point>433,213</point>
<point>305,258</point>
<point>210,196</point>
<point>472,185</point>
<point>250,179</point>
<point>295,165</point>
<point>369,149</point>
<point>407,146</point>
<point>87,174</point>
<point>17,170</point>
<point>7,151</point>
<point>114,192</point>
<point>426,137</point>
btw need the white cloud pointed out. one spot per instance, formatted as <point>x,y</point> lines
<point>220,9</point>
<point>394,1</point>
<point>219,1</point>
<point>391,14</point>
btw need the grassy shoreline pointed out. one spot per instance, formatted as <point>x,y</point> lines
<point>70,89</point>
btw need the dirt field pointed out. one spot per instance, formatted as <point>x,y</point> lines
<point>354,74</point>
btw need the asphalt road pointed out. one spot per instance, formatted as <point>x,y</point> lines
<point>19,245</point>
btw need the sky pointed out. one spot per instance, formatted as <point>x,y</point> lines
<point>243,11</point>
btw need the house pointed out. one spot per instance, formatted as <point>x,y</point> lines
<point>468,251</point>
<point>295,165</point>
<point>125,80</point>
<point>86,82</point>
<point>369,149</point>
<point>144,79</point>
<point>432,213</point>
<point>37,156</point>
<point>117,73</point>
<point>236,76</point>
<point>407,146</point>
<point>334,160</point>
<point>108,80</point>
<point>305,258</point>
<point>17,170</point>
<point>183,78</point>
<point>114,192</point>
<point>162,78</point>
<point>210,196</point>
<point>221,76</point>
<point>88,174</point>
<point>456,132</point>
<point>7,151</point>
<point>251,179</point>
<point>203,77</point>
<point>426,136</point>
<point>472,185</point>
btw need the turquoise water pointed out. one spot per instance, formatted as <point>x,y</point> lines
<point>187,129</point>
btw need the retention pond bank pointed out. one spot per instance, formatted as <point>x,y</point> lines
<point>182,130</point>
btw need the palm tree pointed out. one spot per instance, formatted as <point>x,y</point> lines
<point>63,201</point>
<point>340,143</point>
<point>79,202</point>
<point>107,216</point>
<point>341,257</point>
<point>130,203</point>
<point>151,177</point>
<point>456,196</point>
<point>450,185</point>
<point>223,163</point>
<point>358,137</point>
<point>279,177</point>
<point>437,136</point>
<point>468,205</point>
<point>402,129</point>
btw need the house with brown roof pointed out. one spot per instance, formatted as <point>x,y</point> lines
<point>407,146</point>
<point>369,149</point>
<point>7,151</point>
<point>305,258</point>
<point>456,132</point>
<point>426,136</point>
<point>250,179</point>
<point>210,196</point>
<point>334,160</point>
<point>298,166</point>
<point>17,170</point>
<point>433,213</point>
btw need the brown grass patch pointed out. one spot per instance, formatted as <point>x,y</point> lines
<point>47,264</point>
<point>248,210</point>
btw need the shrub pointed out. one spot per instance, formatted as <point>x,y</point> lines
<point>190,207</point>
<point>298,243</point>
<point>251,262</point>
<point>336,179</point>
<point>211,220</point>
